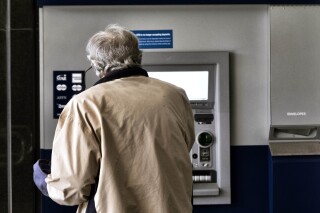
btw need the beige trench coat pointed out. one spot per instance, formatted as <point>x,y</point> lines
<point>135,134</point>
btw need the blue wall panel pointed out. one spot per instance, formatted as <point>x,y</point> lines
<point>296,184</point>
<point>249,184</point>
<point>260,183</point>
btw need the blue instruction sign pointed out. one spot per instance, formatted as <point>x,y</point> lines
<point>154,39</point>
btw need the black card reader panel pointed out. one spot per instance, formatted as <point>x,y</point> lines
<point>204,118</point>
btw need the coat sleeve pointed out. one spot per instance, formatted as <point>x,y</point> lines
<point>40,171</point>
<point>190,128</point>
<point>75,158</point>
<point>189,122</point>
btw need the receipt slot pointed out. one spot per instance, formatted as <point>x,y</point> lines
<point>205,78</point>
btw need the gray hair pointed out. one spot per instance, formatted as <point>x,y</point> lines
<point>113,49</point>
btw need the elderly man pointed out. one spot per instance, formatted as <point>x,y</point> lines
<point>122,146</point>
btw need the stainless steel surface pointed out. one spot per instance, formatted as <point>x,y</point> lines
<point>295,50</point>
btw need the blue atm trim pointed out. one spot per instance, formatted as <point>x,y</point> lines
<point>249,184</point>
<point>270,169</point>
<point>295,184</point>
<point>169,2</point>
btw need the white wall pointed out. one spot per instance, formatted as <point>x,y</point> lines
<point>242,30</point>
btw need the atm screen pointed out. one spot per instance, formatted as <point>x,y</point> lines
<point>195,83</point>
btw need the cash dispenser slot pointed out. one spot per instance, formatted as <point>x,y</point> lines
<point>204,176</point>
<point>204,184</point>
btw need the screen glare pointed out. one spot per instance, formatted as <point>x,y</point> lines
<point>195,83</point>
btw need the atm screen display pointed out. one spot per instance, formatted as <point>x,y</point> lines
<point>195,83</point>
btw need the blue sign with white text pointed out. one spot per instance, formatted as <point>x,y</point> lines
<point>154,39</point>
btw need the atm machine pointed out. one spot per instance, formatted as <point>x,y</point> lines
<point>205,78</point>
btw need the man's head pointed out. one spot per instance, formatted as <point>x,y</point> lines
<point>113,49</point>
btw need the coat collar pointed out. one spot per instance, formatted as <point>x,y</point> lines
<point>123,73</point>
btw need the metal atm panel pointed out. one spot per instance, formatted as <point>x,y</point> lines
<point>210,155</point>
<point>294,86</point>
<point>295,65</point>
